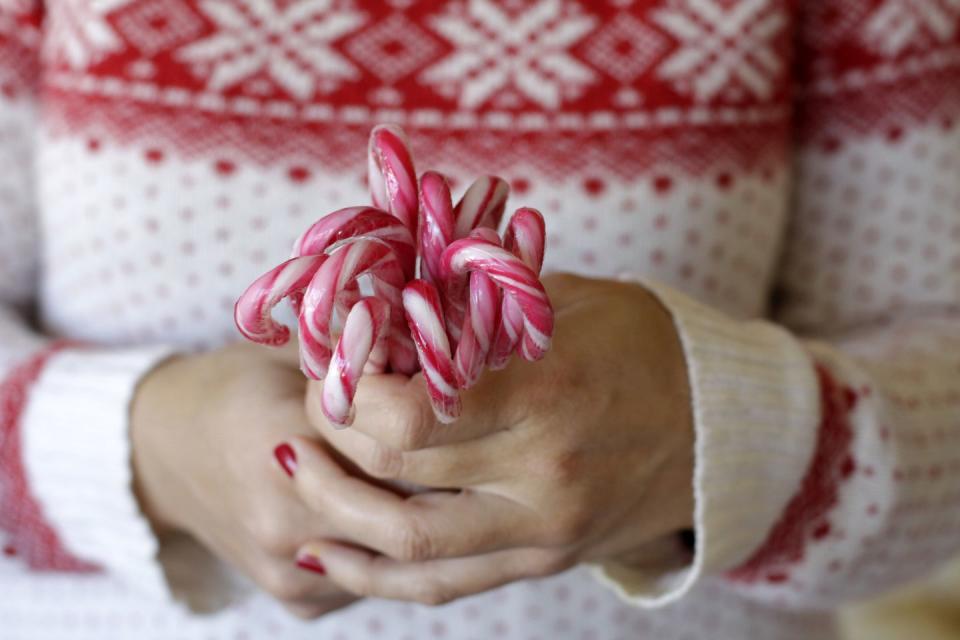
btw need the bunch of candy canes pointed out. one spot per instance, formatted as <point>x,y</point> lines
<point>361,308</point>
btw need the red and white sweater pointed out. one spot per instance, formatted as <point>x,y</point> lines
<point>749,159</point>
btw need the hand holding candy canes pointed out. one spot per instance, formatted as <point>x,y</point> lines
<point>478,298</point>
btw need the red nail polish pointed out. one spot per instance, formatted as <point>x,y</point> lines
<point>287,458</point>
<point>311,563</point>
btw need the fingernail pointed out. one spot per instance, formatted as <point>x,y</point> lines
<point>311,563</point>
<point>287,458</point>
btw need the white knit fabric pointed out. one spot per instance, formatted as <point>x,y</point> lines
<point>76,450</point>
<point>745,378</point>
<point>807,244</point>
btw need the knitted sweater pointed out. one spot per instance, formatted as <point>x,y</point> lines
<point>784,175</point>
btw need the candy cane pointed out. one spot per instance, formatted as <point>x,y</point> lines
<point>252,312</point>
<point>391,175</point>
<point>425,317</point>
<point>479,328</point>
<point>517,281</point>
<point>436,223</point>
<point>333,230</point>
<point>350,280</point>
<point>359,350</point>
<point>480,322</point>
<point>481,206</point>
<point>525,237</point>
<point>318,318</point>
<point>402,352</point>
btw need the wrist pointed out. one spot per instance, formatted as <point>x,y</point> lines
<point>675,414</point>
<point>150,416</point>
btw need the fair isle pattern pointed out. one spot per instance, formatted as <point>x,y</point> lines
<point>28,536</point>
<point>184,144</point>
<point>675,77</point>
<point>672,77</point>
<point>289,46</point>
<point>19,41</point>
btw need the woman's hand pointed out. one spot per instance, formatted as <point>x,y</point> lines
<point>203,431</point>
<point>586,455</point>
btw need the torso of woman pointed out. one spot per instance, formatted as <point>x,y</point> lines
<point>184,144</point>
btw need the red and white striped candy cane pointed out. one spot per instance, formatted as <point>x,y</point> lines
<point>525,237</point>
<point>436,224</point>
<point>319,321</point>
<point>360,349</point>
<point>482,205</point>
<point>402,352</point>
<point>516,280</point>
<point>331,231</point>
<point>391,175</point>
<point>421,303</point>
<point>481,320</point>
<point>252,312</point>
<point>479,300</point>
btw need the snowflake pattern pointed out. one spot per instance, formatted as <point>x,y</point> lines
<point>625,48</point>
<point>724,48</point>
<point>829,25</point>
<point>523,53</point>
<point>393,48</point>
<point>900,24</point>
<point>158,25</point>
<point>79,32</point>
<point>290,43</point>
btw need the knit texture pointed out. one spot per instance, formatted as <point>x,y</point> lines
<point>74,433</point>
<point>786,173</point>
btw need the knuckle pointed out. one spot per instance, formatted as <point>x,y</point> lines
<point>278,583</point>
<point>562,465</point>
<point>305,612</point>
<point>569,529</point>
<point>413,543</point>
<point>549,563</point>
<point>433,593</point>
<point>269,534</point>
<point>312,489</point>
<point>384,462</point>
<point>414,428</point>
<point>363,586</point>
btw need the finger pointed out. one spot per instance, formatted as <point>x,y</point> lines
<point>311,610</point>
<point>565,289</point>
<point>421,527</point>
<point>466,464</point>
<point>283,579</point>
<point>396,412</point>
<point>434,582</point>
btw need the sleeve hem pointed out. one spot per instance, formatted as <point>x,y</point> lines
<point>756,409</point>
<point>77,459</point>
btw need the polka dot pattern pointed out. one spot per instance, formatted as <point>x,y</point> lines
<point>142,245</point>
<point>843,268</point>
<point>722,253</point>
<point>571,607</point>
<point>166,260</point>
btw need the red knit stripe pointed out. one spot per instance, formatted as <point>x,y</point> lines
<point>29,536</point>
<point>806,517</point>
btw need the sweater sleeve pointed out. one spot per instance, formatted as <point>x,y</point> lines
<point>66,501</point>
<point>828,445</point>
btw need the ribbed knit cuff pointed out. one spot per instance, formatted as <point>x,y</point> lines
<point>756,409</point>
<point>76,455</point>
